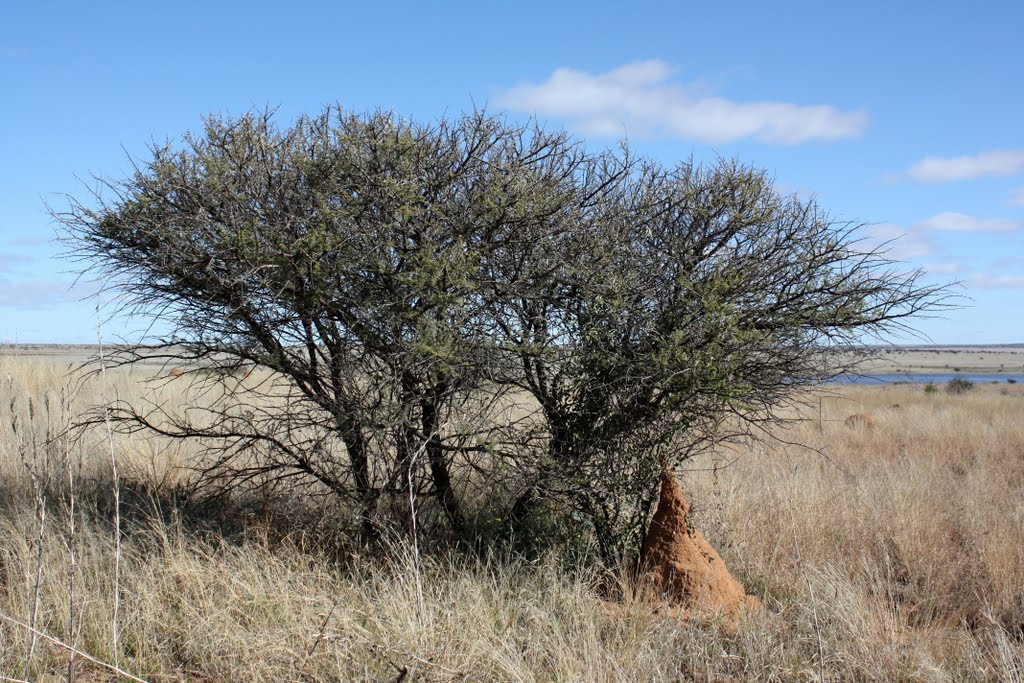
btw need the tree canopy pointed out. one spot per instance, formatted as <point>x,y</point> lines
<point>473,309</point>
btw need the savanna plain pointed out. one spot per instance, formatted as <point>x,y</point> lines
<point>884,548</point>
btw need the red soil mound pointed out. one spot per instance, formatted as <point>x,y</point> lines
<point>683,567</point>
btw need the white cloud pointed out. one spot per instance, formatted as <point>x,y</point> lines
<point>639,100</point>
<point>8,261</point>
<point>1000,162</point>
<point>959,222</point>
<point>1017,197</point>
<point>898,242</point>
<point>944,268</point>
<point>989,281</point>
<point>34,294</point>
<point>1008,262</point>
<point>804,194</point>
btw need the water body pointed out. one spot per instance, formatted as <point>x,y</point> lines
<point>922,378</point>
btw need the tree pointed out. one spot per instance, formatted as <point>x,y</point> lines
<point>397,284</point>
<point>691,305</point>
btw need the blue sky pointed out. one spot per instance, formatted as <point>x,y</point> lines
<point>905,116</point>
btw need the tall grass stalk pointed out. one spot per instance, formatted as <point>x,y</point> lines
<point>59,643</point>
<point>115,484</point>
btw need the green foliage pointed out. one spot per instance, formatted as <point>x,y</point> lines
<point>930,388</point>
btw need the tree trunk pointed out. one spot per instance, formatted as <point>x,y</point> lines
<point>355,444</point>
<point>439,471</point>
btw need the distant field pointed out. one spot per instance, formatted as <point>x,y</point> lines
<point>69,354</point>
<point>945,359</point>
<point>892,360</point>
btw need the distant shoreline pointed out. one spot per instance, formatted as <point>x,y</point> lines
<point>886,360</point>
<point>989,359</point>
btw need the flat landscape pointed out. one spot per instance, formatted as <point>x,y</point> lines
<point>67,355</point>
<point>947,359</point>
<point>980,359</point>
<point>609,359</point>
<point>888,547</point>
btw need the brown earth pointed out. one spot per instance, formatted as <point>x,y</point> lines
<point>681,566</point>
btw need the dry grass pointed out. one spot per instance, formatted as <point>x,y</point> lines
<point>896,553</point>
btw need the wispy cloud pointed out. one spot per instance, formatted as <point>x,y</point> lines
<point>639,99</point>
<point>804,194</point>
<point>9,259</point>
<point>991,281</point>
<point>40,294</point>
<point>1008,263</point>
<point>999,162</point>
<point>1017,197</point>
<point>31,241</point>
<point>959,222</point>
<point>943,268</point>
<point>898,242</point>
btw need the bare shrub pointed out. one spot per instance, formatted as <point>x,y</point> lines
<point>958,385</point>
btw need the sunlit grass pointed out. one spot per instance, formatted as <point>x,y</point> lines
<point>894,552</point>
